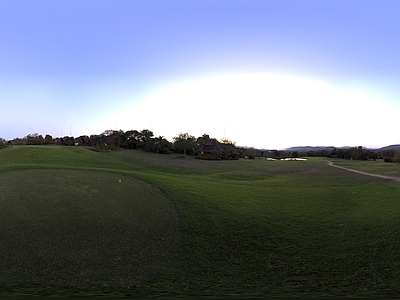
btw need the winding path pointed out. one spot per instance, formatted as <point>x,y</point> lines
<point>365,173</point>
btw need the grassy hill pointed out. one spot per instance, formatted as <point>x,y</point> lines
<point>189,227</point>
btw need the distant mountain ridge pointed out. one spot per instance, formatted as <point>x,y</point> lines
<point>313,148</point>
<point>329,148</point>
<point>390,147</point>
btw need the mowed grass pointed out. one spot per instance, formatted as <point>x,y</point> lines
<point>375,167</point>
<point>189,227</point>
<point>79,231</point>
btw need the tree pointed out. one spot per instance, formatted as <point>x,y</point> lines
<point>67,141</point>
<point>83,140</point>
<point>252,152</point>
<point>184,142</point>
<point>2,143</point>
<point>145,137</point>
<point>337,153</point>
<point>229,148</point>
<point>94,140</point>
<point>388,154</point>
<point>201,140</point>
<point>34,139</point>
<point>397,157</point>
<point>359,154</point>
<point>18,141</point>
<point>227,142</point>
<point>131,139</point>
<point>48,139</point>
<point>276,153</point>
<point>162,145</point>
<point>111,139</point>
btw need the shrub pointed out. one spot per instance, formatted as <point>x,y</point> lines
<point>388,159</point>
<point>208,157</point>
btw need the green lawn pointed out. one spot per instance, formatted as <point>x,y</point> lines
<point>376,167</point>
<point>187,227</point>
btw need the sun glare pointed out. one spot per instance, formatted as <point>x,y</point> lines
<point>260,110</point>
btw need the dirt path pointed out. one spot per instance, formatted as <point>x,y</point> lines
<point>365,173</point>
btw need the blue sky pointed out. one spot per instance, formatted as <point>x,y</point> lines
<point>268,74</point>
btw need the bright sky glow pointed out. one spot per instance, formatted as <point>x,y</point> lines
<point>269,74</point>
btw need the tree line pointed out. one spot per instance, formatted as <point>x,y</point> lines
<point>186,144</point>
<point>182,143</point>
<point>357,153</point>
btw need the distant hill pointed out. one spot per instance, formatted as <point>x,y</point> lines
<point>391,147</point>
<point>312,148</point>
<point>329,148</point>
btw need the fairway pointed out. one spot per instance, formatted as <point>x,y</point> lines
<point>188,227</point>
<point>83,230</point>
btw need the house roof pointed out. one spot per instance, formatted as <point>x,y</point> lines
<point>210,146</point>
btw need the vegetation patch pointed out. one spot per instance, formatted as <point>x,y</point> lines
<point>207,158</point>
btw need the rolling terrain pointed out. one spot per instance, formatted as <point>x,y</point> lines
<point>129,223</point>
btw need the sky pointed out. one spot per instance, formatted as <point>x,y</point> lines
<point>267,74</point>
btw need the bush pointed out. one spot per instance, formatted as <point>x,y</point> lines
<point>388,159</point>
<point>252,157</point>
<point>208,157</point>
<point>396,157</point>
<point>234,156</point>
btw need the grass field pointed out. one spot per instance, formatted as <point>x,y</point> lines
<point>187,227</point>
<point>378,167</point>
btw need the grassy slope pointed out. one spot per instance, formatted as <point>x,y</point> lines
<point>68,231</point>
<point>290,229</point>
<point>375,167</point>
<point>255,227</point>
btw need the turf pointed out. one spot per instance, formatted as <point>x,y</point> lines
<point>247,228</point>
<point>84,231</point>
<point>375,167</point>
